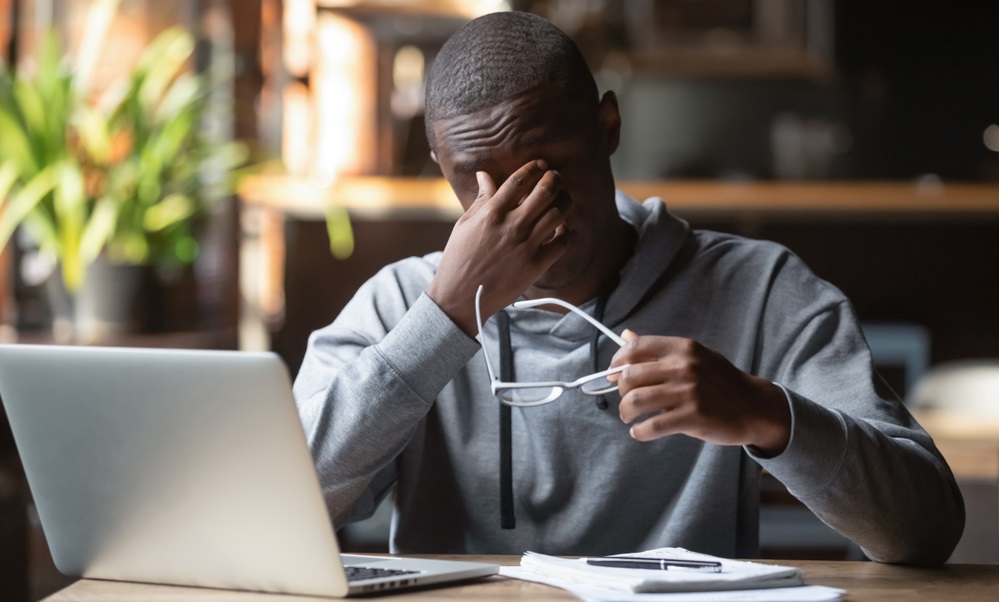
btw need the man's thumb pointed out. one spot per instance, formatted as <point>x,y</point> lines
<point>486,187</point>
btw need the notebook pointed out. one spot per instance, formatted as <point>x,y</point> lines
<point>183,467</point>
<point>727,581</point>
<point>732,574</point>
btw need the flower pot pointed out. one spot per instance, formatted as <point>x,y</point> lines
<point>107,305</point>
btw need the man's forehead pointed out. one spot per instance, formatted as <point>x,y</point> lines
<point>527,121</point>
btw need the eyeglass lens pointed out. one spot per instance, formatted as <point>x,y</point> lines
<point>530,395</point>
<point>540,395</point>
<point>598,386</point>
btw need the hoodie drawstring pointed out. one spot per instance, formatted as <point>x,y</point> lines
<point>507,518</point>
<point>598,315</point>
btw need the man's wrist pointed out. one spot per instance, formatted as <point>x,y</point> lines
<point>462,314</point>
<point>774,427</point>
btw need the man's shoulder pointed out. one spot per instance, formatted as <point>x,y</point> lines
<point>727,242</point>
<point>400,282</point>
<point>748,259</point>
<point>751,257</point>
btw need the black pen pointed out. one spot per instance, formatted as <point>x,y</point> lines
<point>658,564</point>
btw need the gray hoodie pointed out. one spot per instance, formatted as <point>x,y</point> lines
<point>393,395</point>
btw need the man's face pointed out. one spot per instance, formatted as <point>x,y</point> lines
<point>575,141</point>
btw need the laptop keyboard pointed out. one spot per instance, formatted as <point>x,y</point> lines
<point>358,573</point>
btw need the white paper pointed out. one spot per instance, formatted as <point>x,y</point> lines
<point>735,574</point>
<point>804,593</point>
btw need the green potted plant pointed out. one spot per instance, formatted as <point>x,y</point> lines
<point>125,179</point>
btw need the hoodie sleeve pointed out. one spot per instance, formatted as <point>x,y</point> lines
<point>856,456</point>
<point>367,381</point>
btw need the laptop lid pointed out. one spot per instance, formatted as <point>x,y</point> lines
<point>176,466</point>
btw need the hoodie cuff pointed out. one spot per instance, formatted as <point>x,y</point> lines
<point>814,452</point>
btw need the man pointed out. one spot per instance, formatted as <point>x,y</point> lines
<point>735,356</point>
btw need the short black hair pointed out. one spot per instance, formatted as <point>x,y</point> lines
<point>498,57</point>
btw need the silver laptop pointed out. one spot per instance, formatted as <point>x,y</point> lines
<point>186,468</point>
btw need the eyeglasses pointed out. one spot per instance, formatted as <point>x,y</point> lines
<point>539,393</point>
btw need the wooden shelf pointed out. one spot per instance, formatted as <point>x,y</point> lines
<point>205,339</point>
<point>378,197</point>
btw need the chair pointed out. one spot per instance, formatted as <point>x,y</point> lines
<point>901,345</point>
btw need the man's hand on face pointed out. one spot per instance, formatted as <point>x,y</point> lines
<point>676,385</point>
<point>505,241</point>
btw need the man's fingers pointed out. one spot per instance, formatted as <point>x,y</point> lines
<point>649,399</point>
<point>645,349</point>
<point>551,223</point>
<point>531,195</point>
<point>657,426</point>
<point>521,183</point>
<point>545,198</point>
<point>486,186</point>
<point>628,335</point>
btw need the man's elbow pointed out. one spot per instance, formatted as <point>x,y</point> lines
<point>930,544</point>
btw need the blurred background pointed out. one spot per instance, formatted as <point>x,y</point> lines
<point>225,173</point>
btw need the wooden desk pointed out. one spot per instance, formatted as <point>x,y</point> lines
<point>863,581</point>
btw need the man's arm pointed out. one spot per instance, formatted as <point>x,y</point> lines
<point>370,377</point>
<point>839,439</point>
<point>856,457</point>
<point>368,380</point>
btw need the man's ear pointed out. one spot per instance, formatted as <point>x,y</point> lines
<point>433,157</point>
<point>610,121</point>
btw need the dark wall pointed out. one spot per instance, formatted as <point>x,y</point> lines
<point>921,84</point>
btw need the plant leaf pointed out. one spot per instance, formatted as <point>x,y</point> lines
<point>131,247</point>
<point>184,92</point>
<point>8,177</point>
<point>50,72</point>
<point>29,100</point>
<point>16,144</point>
<point>70,212</point>
<point>160,64</point>
<point>172,209</point>
<point>340,233</point>
<point>26,199</point>
<point>94,134</point>
<point>99,228</point>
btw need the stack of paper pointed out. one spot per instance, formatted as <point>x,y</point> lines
<point>738,580</point>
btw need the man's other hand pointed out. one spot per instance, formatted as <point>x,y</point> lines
<point>676,385</point>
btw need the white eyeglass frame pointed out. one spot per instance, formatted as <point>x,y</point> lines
<point>558,387</point>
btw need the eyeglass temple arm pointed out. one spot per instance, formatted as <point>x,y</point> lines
<point>553,301</point>
<point>478,319</point>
